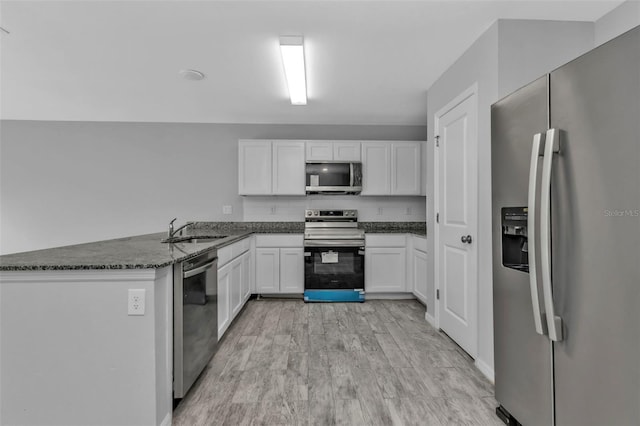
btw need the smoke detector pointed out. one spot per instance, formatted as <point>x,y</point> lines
<point>191,75</point>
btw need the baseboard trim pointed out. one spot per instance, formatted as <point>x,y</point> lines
<point>430,319</point>
<point>485,369</point>
<point>388,296</point>
<point>167,420</point>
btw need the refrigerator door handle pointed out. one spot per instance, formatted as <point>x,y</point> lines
<point>552,146</point>
<point>537,150</point>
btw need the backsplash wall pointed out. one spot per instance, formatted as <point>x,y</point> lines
<point>370,209</point>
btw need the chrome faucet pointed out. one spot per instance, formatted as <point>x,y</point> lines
<point>171,233</point>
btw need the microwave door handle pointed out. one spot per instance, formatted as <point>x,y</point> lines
<point>537,150</point>
<point>552,146</point>
<point>351,175</point>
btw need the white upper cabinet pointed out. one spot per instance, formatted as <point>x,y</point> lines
<point>319,151</point>
<point>376,168</point>
<point>346,151</point>
<point>277,167</point>
<point>391,168</point>
<point>271,168</point>
<point>333,151</point>
<point>288,168</point>
<point>405,168</point>
<point>254,167</point>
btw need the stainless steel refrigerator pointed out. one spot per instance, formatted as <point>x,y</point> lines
<point>566,242</point>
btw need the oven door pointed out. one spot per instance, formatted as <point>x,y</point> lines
<point>333,265</point>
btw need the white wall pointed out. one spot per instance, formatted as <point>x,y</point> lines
<point>70,354</point>
<point>529,49</point>
<point>70,182</point>
<point>507,56</point>
<point>618,21</point>
<point>478,64</point>
<point>370,209</point>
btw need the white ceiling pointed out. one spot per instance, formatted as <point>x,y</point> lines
<point>368,62</point>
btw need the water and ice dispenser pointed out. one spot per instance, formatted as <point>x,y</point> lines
<point>515,251</point>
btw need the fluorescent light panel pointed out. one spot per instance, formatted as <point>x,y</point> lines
<point>292,49</point>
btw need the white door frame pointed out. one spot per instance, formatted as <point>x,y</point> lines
<point>471,91</point>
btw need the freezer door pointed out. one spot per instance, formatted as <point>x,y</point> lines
<point>595,219</point>
<point>523,373</point>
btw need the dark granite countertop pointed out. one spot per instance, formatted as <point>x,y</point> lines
<point>418,228</point>
<point>137,252</point>
<point>148,252</point>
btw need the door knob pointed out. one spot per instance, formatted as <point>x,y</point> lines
<point>466,239</point>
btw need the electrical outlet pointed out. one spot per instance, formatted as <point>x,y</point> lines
<point>273,209</point>
<point>408,211</point>
<point>227,209</point>
<point>136,301</point>
<point>379,211</point>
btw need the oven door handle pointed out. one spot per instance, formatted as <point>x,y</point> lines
<point>200,269</point>
<point>334,243</point>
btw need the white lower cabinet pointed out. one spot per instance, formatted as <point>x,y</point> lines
<point>235,292</point>
<point>279,264</point>
<point>419,275</point>
<point>247,276</point>
<point>279,270</point>
<point>385,269</point>
<point>267,270</point>
<point>224,301</point>
<point>385,263</point>
<point>292,270</point>
<point>234,282</point>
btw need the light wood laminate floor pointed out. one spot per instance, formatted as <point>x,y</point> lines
<point>372,363</point>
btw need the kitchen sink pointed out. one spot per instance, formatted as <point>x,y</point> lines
<point>200,239</point>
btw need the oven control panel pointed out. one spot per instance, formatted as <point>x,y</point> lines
<point>331,214</point>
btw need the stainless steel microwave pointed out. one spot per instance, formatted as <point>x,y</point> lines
<point>333,177</point>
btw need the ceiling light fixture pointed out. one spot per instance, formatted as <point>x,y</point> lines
<point>292,49</point>
<point>191,75</point>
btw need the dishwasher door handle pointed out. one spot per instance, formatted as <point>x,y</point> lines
<point>200,269</point>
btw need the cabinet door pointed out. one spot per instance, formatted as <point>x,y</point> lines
<point>245,283</point>
<point>254,167</point>
<point>267,270</point>
<point>405,168</point>
<point>346,151</point>
<point>292,270</point>
<point>288,168</point>
<point>420,275</point>
<point>319,151</point>
<point>385,270</point>
<point>224,311</point>
<point>237,276</point>
<point>376,168</point>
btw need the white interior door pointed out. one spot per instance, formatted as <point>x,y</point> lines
<point>457,205</point>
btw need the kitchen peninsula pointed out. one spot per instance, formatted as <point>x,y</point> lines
<point>77,357</point>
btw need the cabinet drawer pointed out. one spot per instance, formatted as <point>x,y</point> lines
<point>227,253</point>
<point>240,247</point>
<point>386,240</point>
<point>279,240</point>
<point>224,256</point>
<point>420,243</point>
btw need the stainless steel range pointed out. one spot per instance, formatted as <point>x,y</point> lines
<point>333,256</point>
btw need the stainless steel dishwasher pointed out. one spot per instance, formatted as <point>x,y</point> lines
<point>195,319</point>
